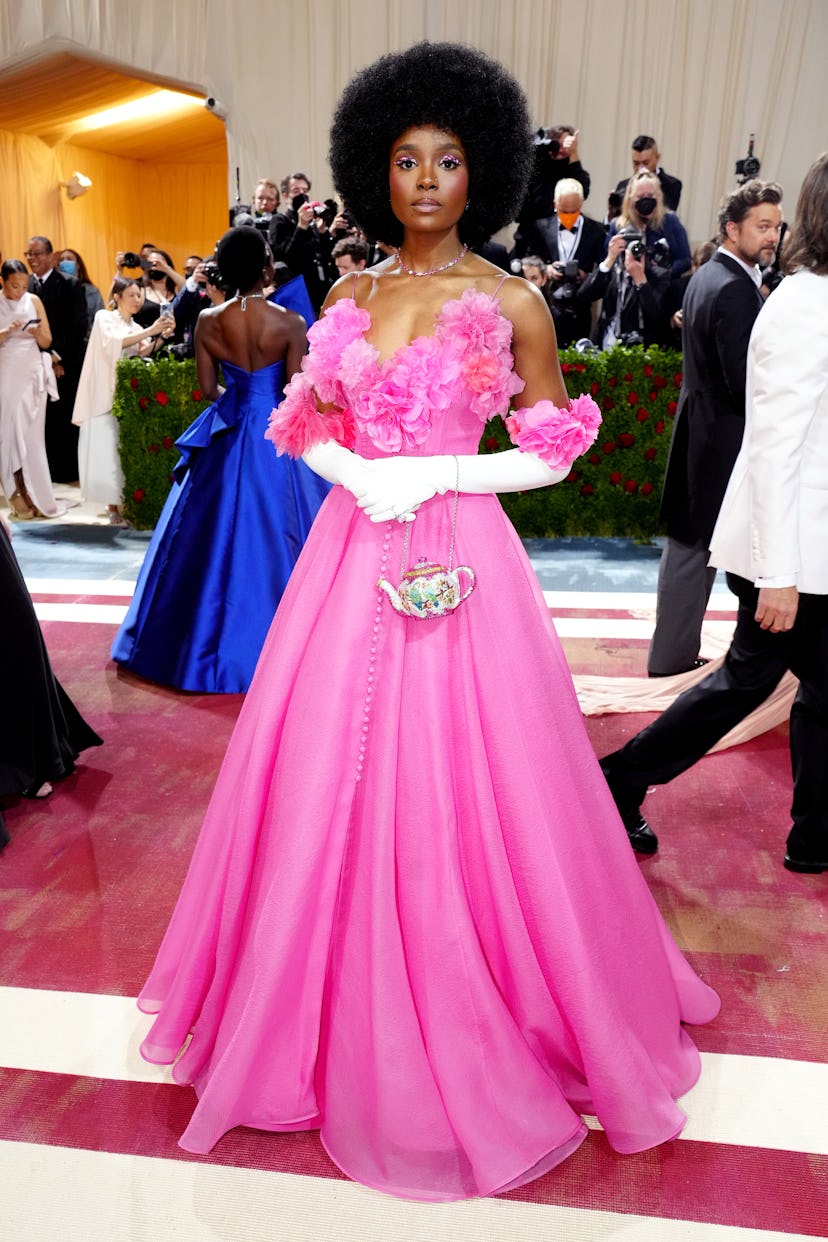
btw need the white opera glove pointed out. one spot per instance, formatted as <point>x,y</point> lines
<point>394,487</point>
<point>337,464</point>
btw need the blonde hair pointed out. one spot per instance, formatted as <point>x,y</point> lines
<point>628,214</point>
<point>271,185</point>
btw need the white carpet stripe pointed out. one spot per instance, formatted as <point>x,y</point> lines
<point>117,587</point>
<point>607,628</point>
<point>744,1101</point>
<point>77,1196</point>
<point>628,601</point>
<point>106,614</point>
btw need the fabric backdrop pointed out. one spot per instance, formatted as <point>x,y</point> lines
<point>699,75</point>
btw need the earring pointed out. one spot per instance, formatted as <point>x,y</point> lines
<point>468,204</point>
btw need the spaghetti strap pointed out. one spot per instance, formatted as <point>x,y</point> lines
<point>499,283</point>
<point>353,287</point>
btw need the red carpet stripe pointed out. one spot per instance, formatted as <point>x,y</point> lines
<point>706,1182</point>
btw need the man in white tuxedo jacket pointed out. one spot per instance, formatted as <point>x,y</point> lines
<point>772,539</point>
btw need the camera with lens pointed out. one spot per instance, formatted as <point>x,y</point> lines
<point>552,146</point>
<point>635,241</point>
<point>131,259</point>
<point>212,275</point>
<point>568,287</point>
<point>749,167</point>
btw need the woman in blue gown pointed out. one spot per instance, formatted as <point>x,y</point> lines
<point>237,516</point>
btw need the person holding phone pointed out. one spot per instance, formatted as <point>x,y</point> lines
<point>115,334</point>
<point>26,381</point>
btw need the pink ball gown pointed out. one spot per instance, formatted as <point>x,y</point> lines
<point>413,919</point>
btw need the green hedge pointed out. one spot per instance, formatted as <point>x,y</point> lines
<point>613,490</point>
<point>154,403</point>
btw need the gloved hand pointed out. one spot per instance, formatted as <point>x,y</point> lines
<point>394,487</point>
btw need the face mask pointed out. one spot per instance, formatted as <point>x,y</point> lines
<point>69,267</point>
<point>154,274</point>
<point>568,218</point>
<point>645,206</point>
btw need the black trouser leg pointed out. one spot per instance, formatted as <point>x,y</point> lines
<point>808,839</point>
<point>753,667</point>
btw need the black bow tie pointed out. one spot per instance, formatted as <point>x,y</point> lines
<point>574,229</point>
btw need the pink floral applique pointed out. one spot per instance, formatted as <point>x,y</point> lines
<point>395,411</point>
<point>474,322</point>
<point>557,436</point>
<point>298,423</point>
<point>358,366</point>
<point>344,323</point>
<point>478,335</point>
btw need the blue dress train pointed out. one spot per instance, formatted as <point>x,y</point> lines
<point>226,542</point>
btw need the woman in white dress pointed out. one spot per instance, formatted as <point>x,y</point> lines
<point>26,380</point>
<point>114,335</point>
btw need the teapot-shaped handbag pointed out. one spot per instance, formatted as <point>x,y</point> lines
<point>430,590</point>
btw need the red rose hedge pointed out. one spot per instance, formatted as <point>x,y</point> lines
<point>613,490</point>
<point>154,402</point>
<point>618,485</point>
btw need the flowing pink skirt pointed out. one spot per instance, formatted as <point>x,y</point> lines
<point>413,919</point>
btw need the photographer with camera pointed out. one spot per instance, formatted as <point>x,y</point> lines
<point>647,247</point>
<point>308,252</point>
<point>573,245</point>
<point>202,289</point>
<point>555,158</point>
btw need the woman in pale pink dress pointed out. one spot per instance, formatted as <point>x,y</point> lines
<point>413,920</point>
<point>26,380</point>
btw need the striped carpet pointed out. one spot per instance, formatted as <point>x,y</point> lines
<point>88,1131</point>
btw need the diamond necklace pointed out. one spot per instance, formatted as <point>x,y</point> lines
<point>409,271</point>
<point>244,296</point>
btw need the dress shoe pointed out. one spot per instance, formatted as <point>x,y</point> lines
<point>642,838</point>
<point>806,867</point>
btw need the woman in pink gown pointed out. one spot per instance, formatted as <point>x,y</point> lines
<point>413,920</point>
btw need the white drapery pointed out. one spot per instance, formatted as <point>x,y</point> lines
<point>699,75</point>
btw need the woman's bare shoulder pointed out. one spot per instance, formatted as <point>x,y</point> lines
<point>359,285</point>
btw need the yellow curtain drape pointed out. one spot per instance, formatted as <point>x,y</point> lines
<point>180,207</point>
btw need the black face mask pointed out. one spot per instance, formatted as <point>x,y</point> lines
<point>645,206</point>
<point>154,274</point>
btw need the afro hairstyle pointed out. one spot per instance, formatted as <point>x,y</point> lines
<point>241,255</point>
<point>455,88</point>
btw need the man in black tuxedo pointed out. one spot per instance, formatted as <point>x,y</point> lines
<point>65,304</point>
<point>646,156</point>
<point>770,539</point>
<point>718,312</point>
<point>573,244</point>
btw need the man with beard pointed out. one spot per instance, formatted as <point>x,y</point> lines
<point>719,310</point>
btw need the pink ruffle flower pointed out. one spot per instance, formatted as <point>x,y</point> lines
<point>475,322</point>
<point>395,412</point>
<point>342,324</point>
<point>298,424</point>
<point>558,437</point>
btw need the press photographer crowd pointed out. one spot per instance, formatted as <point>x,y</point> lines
<point>616,279</point>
